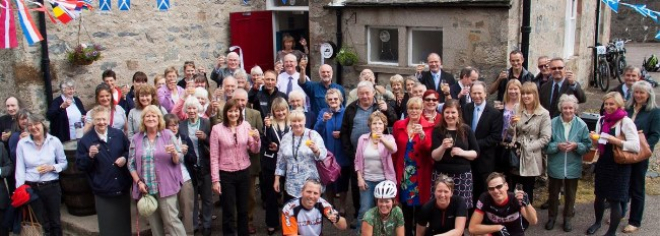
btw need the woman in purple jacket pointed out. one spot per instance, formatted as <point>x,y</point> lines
<point>155,150</point>
<point>373,160</point>
<point>169,94</point>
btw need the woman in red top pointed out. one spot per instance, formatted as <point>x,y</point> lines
<point>431,101</point>
<point>412,163</point>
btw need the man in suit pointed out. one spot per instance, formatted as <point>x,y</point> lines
<point>517,71</point>
<point>562,83</point>
<point>486,123</point>
<point>461,90</point>
<point>435,76</point>
<point>631,75</point>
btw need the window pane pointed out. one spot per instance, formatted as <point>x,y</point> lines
<point>291,3</point>
<point>425,42</point>
<point>384,45</point>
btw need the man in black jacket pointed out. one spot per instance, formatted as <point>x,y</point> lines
<point>544,75</point>
<point>517,71</point>
<point>268,93</point>
<point>486,122</point>
<point>562,83</point>
<point>461,90</point>
<point>434,78</point>
<point>355,124</point>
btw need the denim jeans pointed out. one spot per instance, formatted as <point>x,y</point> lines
<point>367,200</point>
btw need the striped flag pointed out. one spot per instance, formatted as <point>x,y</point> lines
<point>8,32</point>
<point>30,31</point>
<point>62,13</point>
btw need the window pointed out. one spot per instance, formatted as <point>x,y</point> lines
<point>287,5</point>
<point>569,28</point>
<point>383,46</point>
<point>422,42</point>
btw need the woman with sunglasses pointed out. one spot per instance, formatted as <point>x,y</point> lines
<point>446,214</point>
<point>506,207</point>
<point>230,142</point>
<point>431,99</point>
<point>386,218</point>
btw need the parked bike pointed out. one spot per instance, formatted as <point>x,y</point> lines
<point>602,74</point>
<point>616,57</point>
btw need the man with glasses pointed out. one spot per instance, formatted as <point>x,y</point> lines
<point>219,73</point>
<point>500,212</point>
<point>517,71</point>
<point>316,90</point>
<point>544,71</point>
<point>563,82</point>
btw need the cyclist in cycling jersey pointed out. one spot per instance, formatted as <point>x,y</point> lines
<point>385,219</point>
<point>304,215</point>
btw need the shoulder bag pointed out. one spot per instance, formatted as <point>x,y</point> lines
<point>328,168</point>
<point>626,157</point>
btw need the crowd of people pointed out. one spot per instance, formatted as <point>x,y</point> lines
<point>430,155</point>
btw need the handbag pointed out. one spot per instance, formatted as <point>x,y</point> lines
<point>29,225</point>
<point>328,168</point>
<point>625,157</point>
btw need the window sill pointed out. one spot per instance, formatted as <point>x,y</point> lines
<point>386,69</point>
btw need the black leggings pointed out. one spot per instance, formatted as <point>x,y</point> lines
<point>615,213</point>
<point>409,214</point>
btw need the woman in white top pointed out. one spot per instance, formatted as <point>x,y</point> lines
<point>117,114</point>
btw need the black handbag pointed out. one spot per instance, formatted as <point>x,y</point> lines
<point>513,156</point>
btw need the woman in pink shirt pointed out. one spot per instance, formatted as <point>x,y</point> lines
<point>230,142</point>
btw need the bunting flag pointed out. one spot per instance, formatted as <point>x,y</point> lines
<point>30,31</point>
<point>657,36</point>
<point>8,32</point>
<point>163,5</point>
<point>613,4</point>
<point>124,5</point>
<point>104,5</point>
<point>62,13</point>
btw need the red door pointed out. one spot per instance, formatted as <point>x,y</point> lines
<point>253,32</point>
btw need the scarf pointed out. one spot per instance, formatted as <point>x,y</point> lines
<point>609,120</point>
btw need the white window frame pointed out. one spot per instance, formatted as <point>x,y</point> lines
<point>270,5</point>
<point>369,61</point>
<point>570,25</point>
<point>410,41</point>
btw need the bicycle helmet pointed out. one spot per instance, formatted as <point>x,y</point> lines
<point>385,189</point>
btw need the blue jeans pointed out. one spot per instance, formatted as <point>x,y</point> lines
<point>367,200</point>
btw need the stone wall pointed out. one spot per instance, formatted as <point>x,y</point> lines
<point>629,24</point>
<point>142,39</point>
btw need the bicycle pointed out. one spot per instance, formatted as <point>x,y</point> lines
<point>602,73</point>
<point>616,57</point>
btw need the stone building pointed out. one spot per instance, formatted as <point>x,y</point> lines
<point>477,33</point>
<point>629,24</point>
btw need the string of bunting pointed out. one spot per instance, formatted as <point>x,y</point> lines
<point>639,8</point>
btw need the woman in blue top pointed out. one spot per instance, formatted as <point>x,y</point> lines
<point>328,125</point>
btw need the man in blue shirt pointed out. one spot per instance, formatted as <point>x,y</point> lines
<point>316,90</point>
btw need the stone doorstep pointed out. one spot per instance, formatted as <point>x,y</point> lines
<point>88,225</point>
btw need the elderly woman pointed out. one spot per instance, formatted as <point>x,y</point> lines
<point>296,161</point>
<point>231,141</point>
<point>412,162</point>
<point>102,155</point>
<point>446,214</point>
<point>532,127</point>
<point>454,148</point>
<point>612,181</point>
<point>431,102</point>
<point>644,111</point>
<point>202,96</point>
<point>169,94</point>
<point>569,141</point>
<point>510,103</point>
<point>276,126</point>
<point>328,125</point>
<point>297,101</point>
<point>104,98</point>
<point>39,160</point>
<point>257,76</point>
<point>373,160</point>
<point>289,47</point>
<point>145,96</point>
<point>241,79</point>
<point>65,112</point>
<point>154,161</point>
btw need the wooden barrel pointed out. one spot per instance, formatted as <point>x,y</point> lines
<point>76,191</point>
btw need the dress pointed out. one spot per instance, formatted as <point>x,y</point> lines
<point>612,180</point>
<point>409,184</point>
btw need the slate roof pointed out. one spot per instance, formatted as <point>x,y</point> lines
<point>423,3</point>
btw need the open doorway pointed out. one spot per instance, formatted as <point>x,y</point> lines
<point>293,23</point>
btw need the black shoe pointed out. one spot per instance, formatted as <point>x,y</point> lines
<point>206,232</point>
<point>593,228</point>
<point>568,227</point>
<point>550,224</point>
<point>545,205</point>
<point>271,232</point>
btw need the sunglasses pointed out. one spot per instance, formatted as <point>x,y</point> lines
<point>430,99</point>
<point>543,66</point>
<point>498,187</point>
<point>557,68</point>
<point>333,99</point>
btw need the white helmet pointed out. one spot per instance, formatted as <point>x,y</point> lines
<point>385,189</point>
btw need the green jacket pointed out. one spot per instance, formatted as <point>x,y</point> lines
<point>649,122</point>
<point>562,165</point>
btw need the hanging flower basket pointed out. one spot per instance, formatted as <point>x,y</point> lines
<point>83,55</point>
<point>347,56</point>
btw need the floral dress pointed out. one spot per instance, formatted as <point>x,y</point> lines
<point>409,184</point>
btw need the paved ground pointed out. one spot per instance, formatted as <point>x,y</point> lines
<point>584,212</point>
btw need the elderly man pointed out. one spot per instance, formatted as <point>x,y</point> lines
<point>287,81</point>
<point>418,90</point>
<point>355,124</point>
<point>368,75</point>
<point>268,93</point>
<point>233,63</point>
<point>461,90</point>
<point>543,76</point>
<point>435,77</point>
<point>517,71</point>
<point>316,90</point>
<point>563,82</point>
<point>304,215</point>
<point>8,121</point>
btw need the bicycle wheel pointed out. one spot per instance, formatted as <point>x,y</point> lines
<point>604,75</point>
<point>620,66</point>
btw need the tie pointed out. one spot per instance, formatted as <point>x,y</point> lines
<point>555,93</point>
<point>289,86</point>
<point>475,118</point>
<point>628,94</point>
<point>436,79</point>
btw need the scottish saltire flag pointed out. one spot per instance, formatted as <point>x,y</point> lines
<point>104,5</point>
<point>30,31</point>
<point>613,4</point>
<point>163,5</point>
<point>124,5</point>
<point>8,31</point>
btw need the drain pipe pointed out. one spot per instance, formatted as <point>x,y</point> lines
<point>339,36</point>
<point>45,58</point>
<point>596,28</point>
<point>526,30</point>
